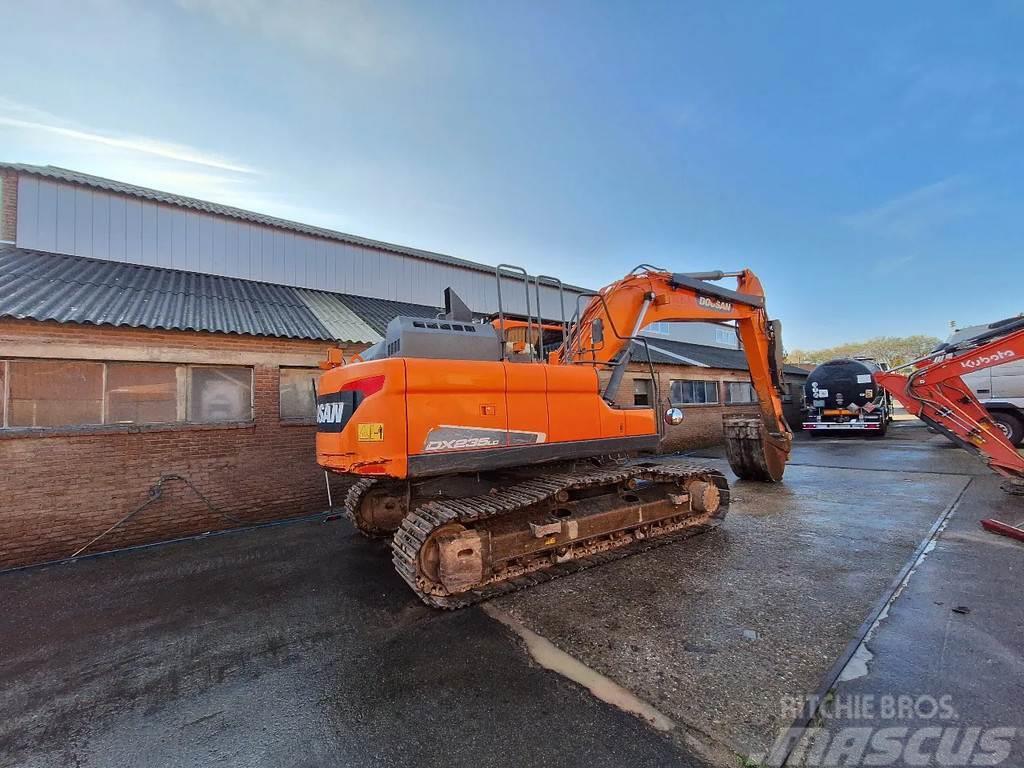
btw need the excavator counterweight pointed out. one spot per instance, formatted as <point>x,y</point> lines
<point>495,456</point>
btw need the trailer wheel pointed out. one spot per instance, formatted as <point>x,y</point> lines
<point>1010,426</point>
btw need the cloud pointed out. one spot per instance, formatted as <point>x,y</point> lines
<point>353,32</point>
<point>25,118</point>
<point>916,213</point>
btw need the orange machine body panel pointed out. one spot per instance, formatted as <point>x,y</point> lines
<point>430,417</point>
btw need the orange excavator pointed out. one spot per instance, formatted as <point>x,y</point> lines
<point>932,389</point>
<point>494,454</point>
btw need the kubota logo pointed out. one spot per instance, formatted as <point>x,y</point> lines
<point>984,360</point>
<point>721,306</point>
<point>330,413</point>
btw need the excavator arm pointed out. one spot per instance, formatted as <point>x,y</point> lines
<point>758,447</point>
<point>935,393</point>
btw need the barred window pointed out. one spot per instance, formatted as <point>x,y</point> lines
<point>690,391</point>
<point>737,392</point>
<point>219,393</point>
<point>642,394</point>
<point>298,399</point>
<point>71,393</point>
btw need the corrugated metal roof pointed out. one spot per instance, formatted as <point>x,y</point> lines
<point>659,354</point>
<point>377,313</point>
<point>70,289</point>
<point>667,352</point>
<point>123,188</point>
<point>342,322</point>
<point>37,285</point>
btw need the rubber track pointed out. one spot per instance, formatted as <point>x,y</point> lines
<point>353,499</point>
<point>421,522</point>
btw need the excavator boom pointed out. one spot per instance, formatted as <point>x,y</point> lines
<point>757,447</point>
<point>935,392</point>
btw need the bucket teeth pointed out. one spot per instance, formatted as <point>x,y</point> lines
<point>753,452</point>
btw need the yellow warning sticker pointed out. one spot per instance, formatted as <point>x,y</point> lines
<point>371,433</point>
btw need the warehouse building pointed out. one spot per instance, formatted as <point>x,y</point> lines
<point>157,357</point>
<point>708,382</point>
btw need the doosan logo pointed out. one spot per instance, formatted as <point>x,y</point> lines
<point>983,361</point>
<point>330,413</point>
<point>721,306</point>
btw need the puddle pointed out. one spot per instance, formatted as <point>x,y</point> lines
<point>860,663</point>
<point>545,653</point>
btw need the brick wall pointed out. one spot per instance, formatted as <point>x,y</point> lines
<point>8,205</point>
<point>59,490</point>
<point>702,425</point>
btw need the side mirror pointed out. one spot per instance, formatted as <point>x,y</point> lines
<point>597,332</point>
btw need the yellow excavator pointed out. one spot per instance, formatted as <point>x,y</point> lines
<point>496,458</point>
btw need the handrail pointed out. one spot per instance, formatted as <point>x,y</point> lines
<point>552,282</point>
<point>501,312</point>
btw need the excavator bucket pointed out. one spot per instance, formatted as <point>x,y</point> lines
<point>754,453</point>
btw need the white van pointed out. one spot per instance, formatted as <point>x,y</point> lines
<point>1000,389</point>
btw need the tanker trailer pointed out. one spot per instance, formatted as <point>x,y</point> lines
<point>841,395</point>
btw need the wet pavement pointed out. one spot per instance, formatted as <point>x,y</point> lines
<point>718,631</point>
<point>288,646</point>
<point>297,645</point>
<point>950,648</point>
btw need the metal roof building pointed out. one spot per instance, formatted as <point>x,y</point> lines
<point>77,214</point>
<point>68,289</point>
<point>669,352</point>
<point>57,210</point>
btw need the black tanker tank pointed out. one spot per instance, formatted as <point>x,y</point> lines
<point>841,395</point>
<point>841,383</point>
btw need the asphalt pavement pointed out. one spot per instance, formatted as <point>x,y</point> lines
<point>297,645</point>
<point>288,646</point>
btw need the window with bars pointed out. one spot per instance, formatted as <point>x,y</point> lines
<point>643,392</point>
<point>298,398</point>
<point>738,392</point>
<point>687,391</point>
<point>72,393</point>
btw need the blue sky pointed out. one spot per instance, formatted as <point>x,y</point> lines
<point>865,159</point>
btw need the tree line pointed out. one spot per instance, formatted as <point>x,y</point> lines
<point>894,350</point>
